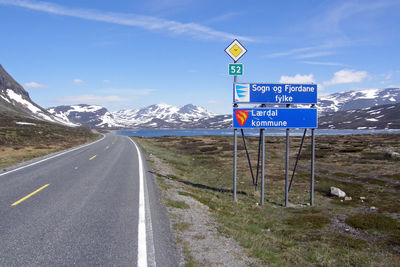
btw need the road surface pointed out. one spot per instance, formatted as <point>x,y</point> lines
<point>95,205</point>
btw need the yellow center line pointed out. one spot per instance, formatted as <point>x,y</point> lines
<point>28,196</point>
<point>107,147</point>
<point>93,157</point>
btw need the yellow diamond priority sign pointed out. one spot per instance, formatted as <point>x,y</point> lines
<point>235,50</point>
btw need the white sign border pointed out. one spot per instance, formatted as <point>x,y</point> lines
<point>244,50</point>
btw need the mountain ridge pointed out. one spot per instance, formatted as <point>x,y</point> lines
<point>191,116</point>
<point>355,109</point>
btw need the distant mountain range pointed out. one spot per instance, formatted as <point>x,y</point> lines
<point>353,100</point>
<point>363,109</point>
<point>154,116</point>
<point>372,109</point>
<point>377,117</point>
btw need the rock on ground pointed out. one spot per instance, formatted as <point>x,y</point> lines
<point>334,191</point>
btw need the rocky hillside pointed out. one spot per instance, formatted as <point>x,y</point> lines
<point>15,101</point>
<point>353,100</point>
<point>85,115</point>
<point>162,116</point>
<point>377,117</point>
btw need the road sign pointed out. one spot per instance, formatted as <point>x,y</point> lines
<point>275,93</point>
<point>235,50</point>
<point>236,69</point>
<point>274,118</point>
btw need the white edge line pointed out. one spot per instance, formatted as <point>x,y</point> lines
<point>52,157</point>
<point>142,246</point>
<point>151,259</point>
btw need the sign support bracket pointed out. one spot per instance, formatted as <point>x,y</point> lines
<point>248,157</point>
<point>297,159</point>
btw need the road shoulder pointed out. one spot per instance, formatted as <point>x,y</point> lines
<point>194,228</point>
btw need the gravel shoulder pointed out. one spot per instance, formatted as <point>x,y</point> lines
<point>195,229</point>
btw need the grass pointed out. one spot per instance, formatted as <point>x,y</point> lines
<point>303,236</point>
<point>190,262</point>
<point>377,222</point>
<point>177,204</point>
<point>345,241</point>
<point>308,221</point>
<point>24,142</point>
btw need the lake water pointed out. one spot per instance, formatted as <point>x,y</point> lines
<point>248,132</point>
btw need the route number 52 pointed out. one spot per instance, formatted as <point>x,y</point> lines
<point>236,69</point>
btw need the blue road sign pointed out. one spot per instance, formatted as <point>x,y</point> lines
<point>274,93</point>
<point>275,118</point>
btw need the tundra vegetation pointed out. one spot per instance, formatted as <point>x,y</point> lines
<point>22,139</point>
<point>363,230</point>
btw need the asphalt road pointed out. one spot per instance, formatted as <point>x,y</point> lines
<point>96,205</point>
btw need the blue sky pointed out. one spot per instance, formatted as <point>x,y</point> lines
<point>129,54</point>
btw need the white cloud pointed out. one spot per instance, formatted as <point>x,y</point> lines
<point>292,52</point>
<point>34,85</point>
<point>323,63</point>
<point>346,76</point>
<point>223,17</point>
<point>315,54</point>
<point>106,81</point>
<point>145,22</point>
<point>298,78</point>
<point>312,51</point>
<point>91,99</point>
<point>77,81</point>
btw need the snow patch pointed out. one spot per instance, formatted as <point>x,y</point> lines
<point>24,123</point>
<point>368,94</point>
<point>6,99</point>
<point>18,98</point>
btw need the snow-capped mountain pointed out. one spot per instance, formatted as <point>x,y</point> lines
<point>154,116</point>
<point>85,115</point>
<point>161,115</point>
<point>358,99</point>
<point>377,117</point>
<point>15,101</point>
<point>192,116</point>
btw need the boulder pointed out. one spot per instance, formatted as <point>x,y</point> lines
<point>334,191</point>
<point>392,155</point>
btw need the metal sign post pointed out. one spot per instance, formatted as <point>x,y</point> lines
<point>287,165</point>
<point>312,165</point>
<point>235,50</point>
<point>262,165</point>
<point>287,169</point>
<point>234,163</point>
